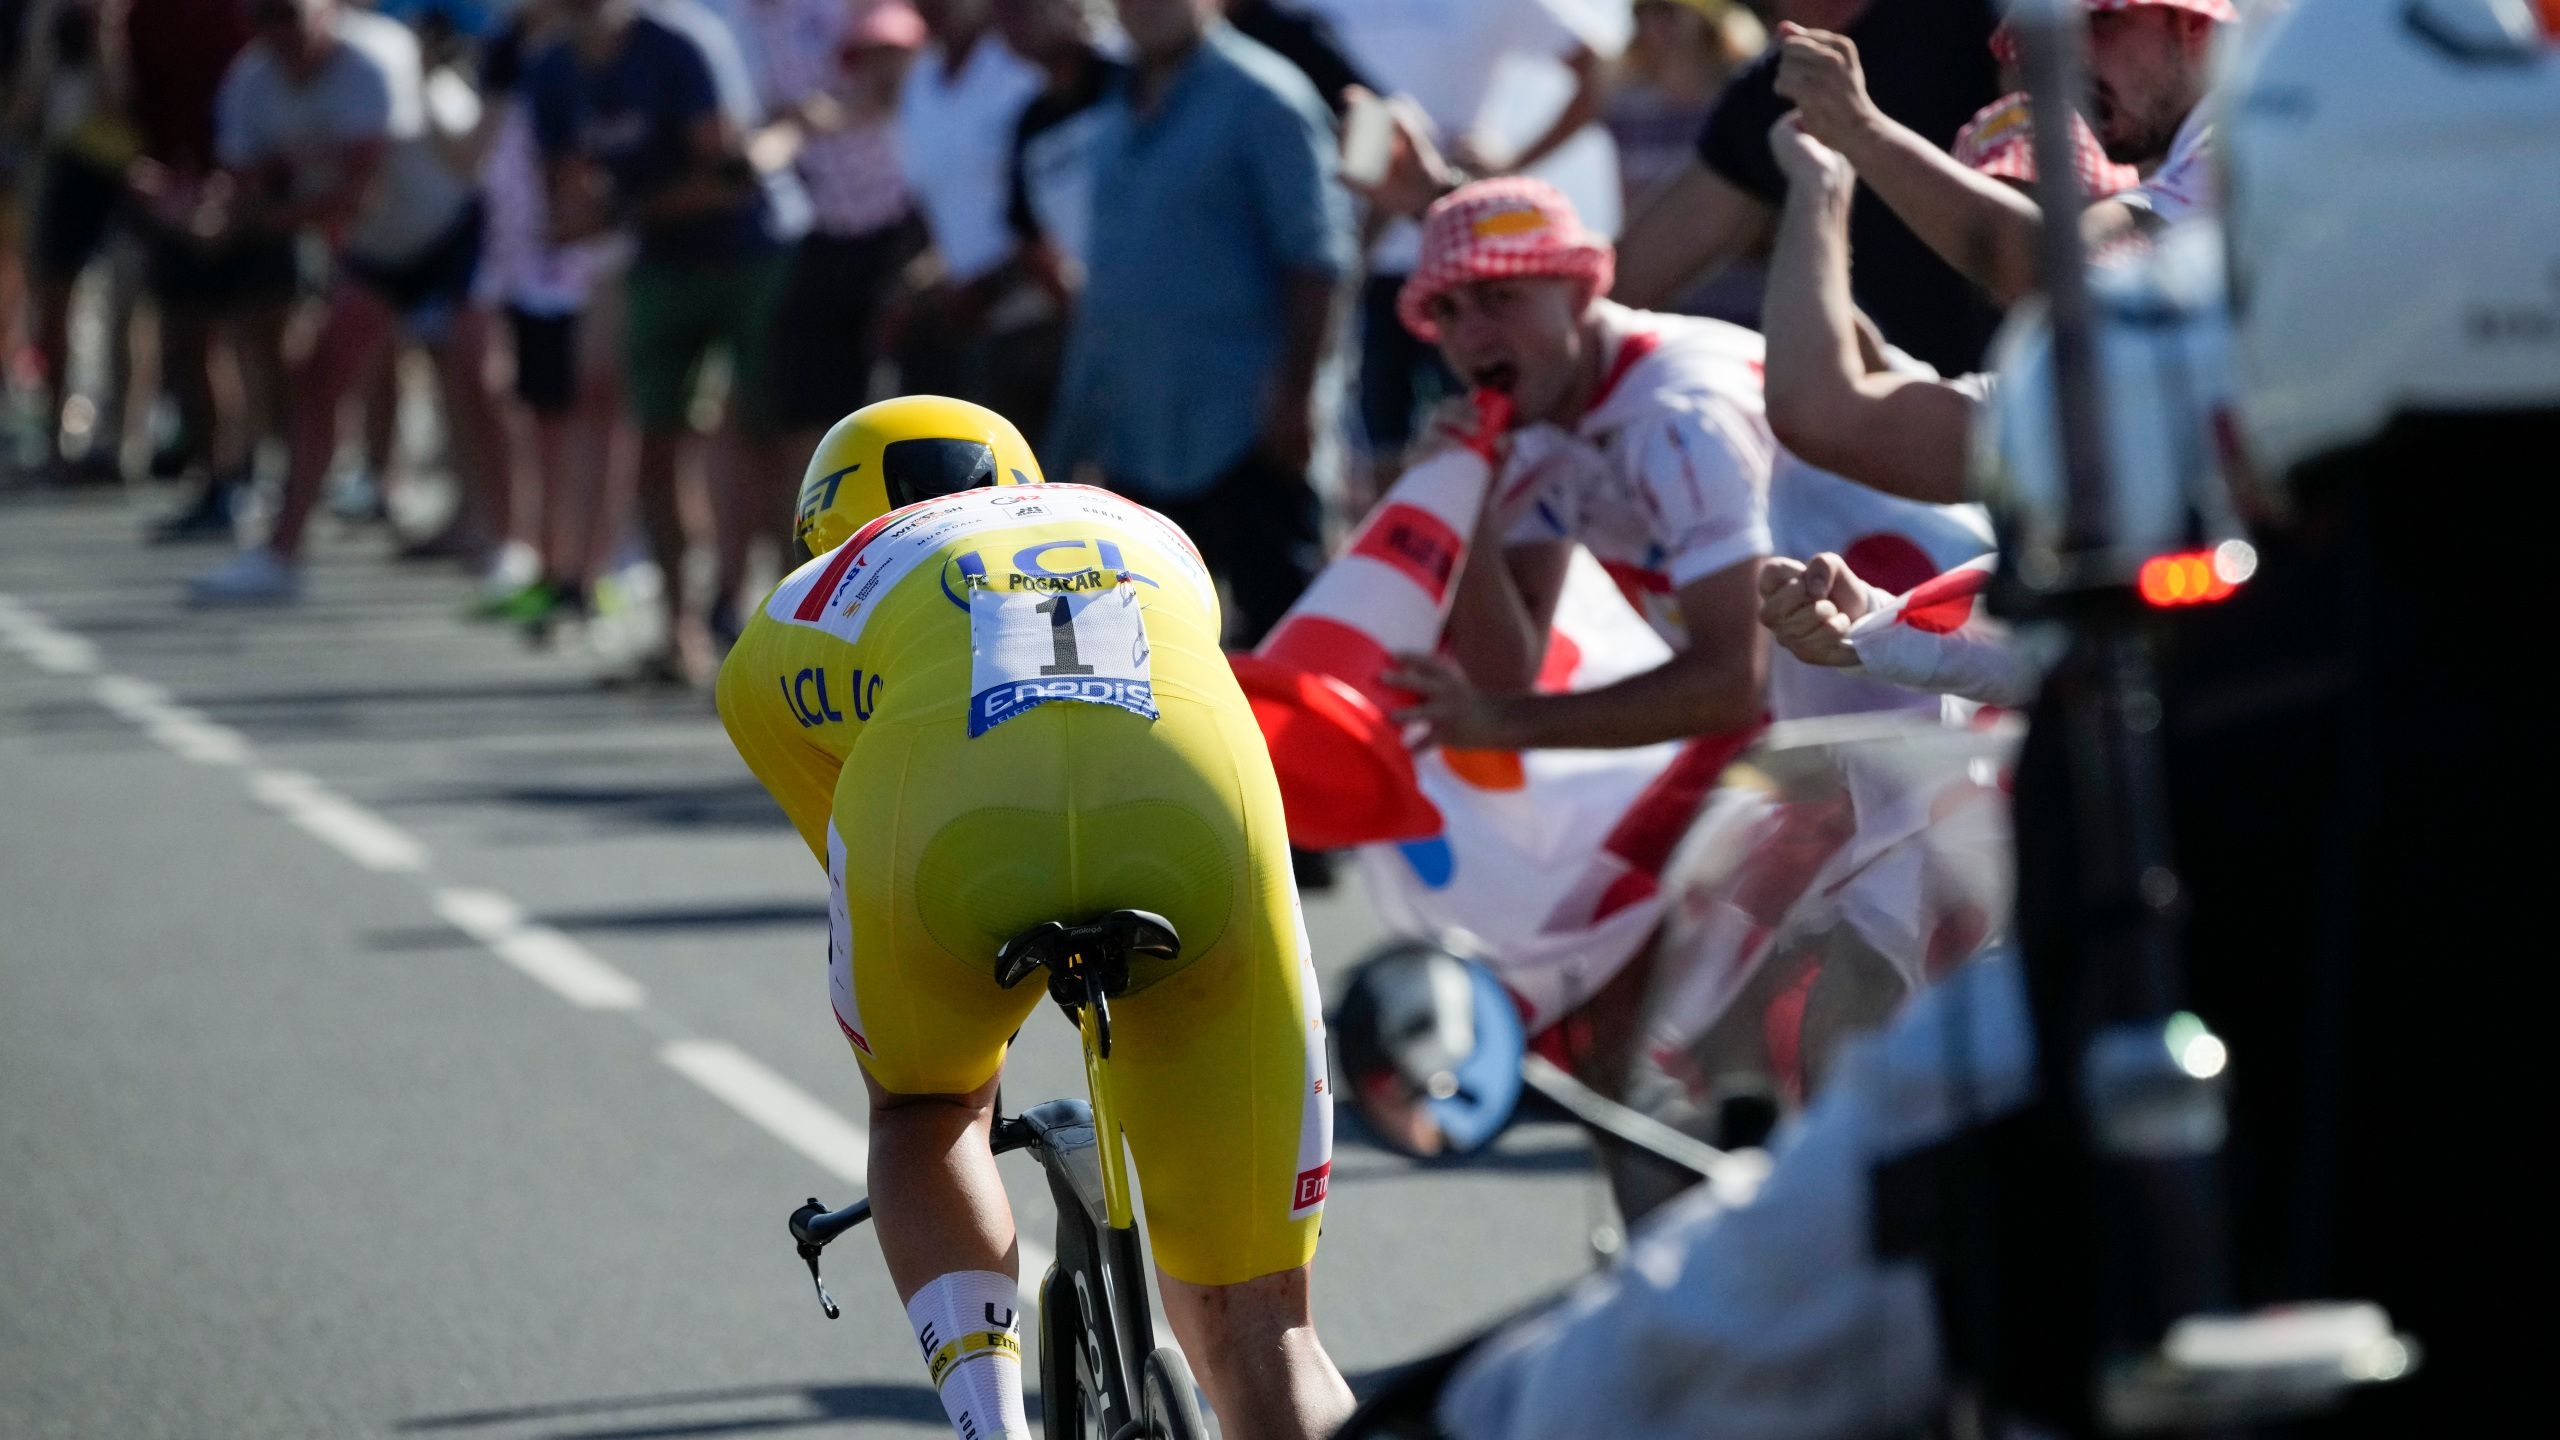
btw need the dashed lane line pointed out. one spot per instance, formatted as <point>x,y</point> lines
<point>821,1134</point>
<point>53,649</point>
<point>338,822</point>
<point>561,965</point>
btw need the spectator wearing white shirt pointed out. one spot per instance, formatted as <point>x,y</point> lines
<point>956,115</point>
<point>323,120</point>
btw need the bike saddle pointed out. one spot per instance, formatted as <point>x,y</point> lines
<point>1102,947</point>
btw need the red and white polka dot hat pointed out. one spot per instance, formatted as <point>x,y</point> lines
<point>1502,228</point>
<point>2004,43</point>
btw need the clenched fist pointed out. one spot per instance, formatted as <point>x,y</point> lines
<point>1808,607</point>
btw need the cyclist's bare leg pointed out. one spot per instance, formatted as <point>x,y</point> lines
<point>947,1232</point>
<point>936,1199</point>
<point>1255,1348</point>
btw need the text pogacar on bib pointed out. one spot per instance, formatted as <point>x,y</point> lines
<point>1030,647</point>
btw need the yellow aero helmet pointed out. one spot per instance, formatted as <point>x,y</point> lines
<point>900,451</point>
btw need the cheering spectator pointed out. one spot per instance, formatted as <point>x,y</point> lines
<point>83,143</point>
<point>1682,54</point>
<point>2147,71</point>
<point>1933,71</point>
<point>219,299</point>
<point>643,115</point>
<point>560,302</point>
<point>1836,397</point>
<point>1219,235</point>
<point>831,77</point>
<point>956,117</point>
<point>1444,59</point>
<point>1509,289</point>
<point>1665,471</point>
<point>322,126</point>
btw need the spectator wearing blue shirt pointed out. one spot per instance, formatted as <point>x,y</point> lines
<point>642,115</point>
<point>1219,235</point>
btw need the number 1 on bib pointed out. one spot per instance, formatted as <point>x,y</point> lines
<point>1030,647</point>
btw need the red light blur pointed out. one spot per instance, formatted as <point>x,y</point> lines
<point>2191,578</point>
<point>2184,580</point>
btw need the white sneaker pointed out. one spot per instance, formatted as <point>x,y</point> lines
<point>515,566</point>
<point>253,577</point>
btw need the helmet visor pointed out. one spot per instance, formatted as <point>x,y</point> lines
<point>914,470</point>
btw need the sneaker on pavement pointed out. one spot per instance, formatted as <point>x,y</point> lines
<point>253,577</point>
<point>209,518</point>
<point>355,495</point>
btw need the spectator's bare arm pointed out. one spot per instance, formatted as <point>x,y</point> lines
<point>1830,399</point>
<point>1504,606</point>
<point>1986,230</point>
<point>1694,223</point>
<point>1715,685</point>
<point>1305,215</point>
<point>1590,88</point>
<point>1288,426</point>
<point>352,171</point>
<point>719,176</point>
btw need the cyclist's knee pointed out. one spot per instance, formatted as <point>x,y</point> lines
<point>974,1106</point>
<point>1263,1306</point>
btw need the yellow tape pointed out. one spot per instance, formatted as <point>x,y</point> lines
<point>969,1346</point>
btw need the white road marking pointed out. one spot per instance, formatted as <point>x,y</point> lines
<point>809,1125</point>
<point>340,823</point>
<point>831,1140</point>
<point>182,729</point>
<point>51,647</point>
<point>193,737</point>
<point>561,965</point>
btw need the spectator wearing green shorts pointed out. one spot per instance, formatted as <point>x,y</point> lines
<point>642,115</point>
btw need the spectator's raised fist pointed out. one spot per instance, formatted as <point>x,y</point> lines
<point>1820,72</point>
<point>1808,607</point>
<point>1805,160</point>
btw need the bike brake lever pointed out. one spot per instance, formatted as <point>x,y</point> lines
<point>826,1301</point>
<point>809,1252</point>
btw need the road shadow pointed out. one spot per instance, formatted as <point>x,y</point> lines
<point>630,1417</point>
<point>772,915</point>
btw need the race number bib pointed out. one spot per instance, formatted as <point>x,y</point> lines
<point>1029,647</point>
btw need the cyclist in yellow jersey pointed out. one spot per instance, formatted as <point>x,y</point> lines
<point>988,702</point>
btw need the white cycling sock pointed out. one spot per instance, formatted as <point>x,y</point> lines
<point>973,1350</point>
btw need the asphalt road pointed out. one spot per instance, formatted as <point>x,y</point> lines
<point>403,1035</point>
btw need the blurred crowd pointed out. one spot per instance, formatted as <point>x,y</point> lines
<point>632,256</point>
<point>1708,286</point>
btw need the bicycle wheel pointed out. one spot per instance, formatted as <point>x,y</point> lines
<point>1169,1400</point>
<point>1066,1402</point>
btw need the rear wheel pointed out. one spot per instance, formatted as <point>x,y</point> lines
<point>1169,1401</point>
